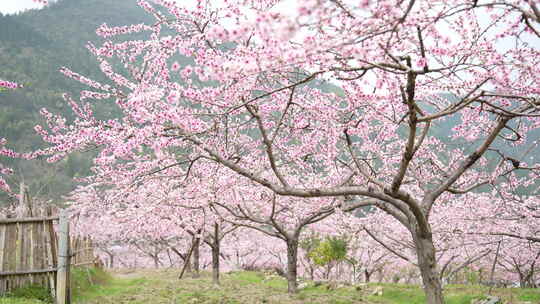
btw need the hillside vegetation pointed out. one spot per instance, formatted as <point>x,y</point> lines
<point>34,45</point>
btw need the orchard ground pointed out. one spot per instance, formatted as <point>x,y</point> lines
<point>163,286</point>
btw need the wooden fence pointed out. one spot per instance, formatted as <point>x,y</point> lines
<point>35,249</point>
<point>82,252</point>
<point>28,251</point>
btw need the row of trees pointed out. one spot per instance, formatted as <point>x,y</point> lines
<point>245,134</point>
<point>155,222</point>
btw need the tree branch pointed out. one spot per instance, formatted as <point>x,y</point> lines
<point>388,248</point>
<point>430,198</point>
<point>409,148</point>
<point>268,144</point>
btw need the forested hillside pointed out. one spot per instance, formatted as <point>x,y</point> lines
<point>33,46</point>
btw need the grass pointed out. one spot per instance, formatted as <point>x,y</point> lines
<point>409,294</point>
<point>83,281</point>
<point>454,294</point>
<point>253,287</point>
<point>11,300</point>
<point>163,286</point>
<point>31,292</point>
<point>529,294</point>
<point>86,279</point>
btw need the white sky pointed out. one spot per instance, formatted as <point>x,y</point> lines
<point>14,6</point>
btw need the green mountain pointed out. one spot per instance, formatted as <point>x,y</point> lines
<point>34,45</point>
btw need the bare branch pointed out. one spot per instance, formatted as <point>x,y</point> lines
<point>422,48</point>
<point>467,263</point>
<point>409,8</point>
<point>535,9</point>
<point>527,238</point>
<point>409,148</point>
<point>305,80</point>
<point>357,163</point>
<point>268,144</point>
<point>466,163</point>
<point>530,26</point>
<point>289,103</point>
<point>467,190</point>
<point>388,247</point>
<point>465,101</point>
<point>342,6</point>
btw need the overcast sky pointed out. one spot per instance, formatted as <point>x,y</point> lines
<point>13,6</point>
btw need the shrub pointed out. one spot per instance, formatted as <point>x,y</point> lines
<point>33,292</point>
<point>82,278</point>
<point>333,249</point>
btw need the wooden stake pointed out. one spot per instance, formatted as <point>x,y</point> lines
<point>48,255</point>
<point>187,260</point>
<point>62,275</point>
<point>3,236</point>
<point>493,267</point>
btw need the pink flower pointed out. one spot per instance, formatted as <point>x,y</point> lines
<point>9,85</point>
<point>422,62</point>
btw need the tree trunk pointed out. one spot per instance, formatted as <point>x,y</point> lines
<point>196,257</point>
<point>522,284</point>
<point>188,266</point>
<point>156,261</point>
<point>111,259</point>
<point>525,280</point>
<point>292,260</point>
<point>428,269</point>
<point>185,267</point>
<point>529,278</point>
<point>367,274</point>
<point>186,258</point>
<point>215,255</point>
<point>380,271</point>
<point>327,272</point>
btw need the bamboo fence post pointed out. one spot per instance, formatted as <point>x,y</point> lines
<point>62,275</point>
<point>32,254</point>
<point>19,255</point>
<point>51,252</point>
<point>48,258</point>
<point>3,235</point>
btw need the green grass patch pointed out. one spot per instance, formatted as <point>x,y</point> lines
<point>247,276</point>
<point>86,279</point>
<point>396,293</point>
<point>528,294</point>
<point>164,287</point>
<point>83,281</point>
<point>453,294</point>
<point>11,300</point>
<point>34,293</point>
<point>111,288</point>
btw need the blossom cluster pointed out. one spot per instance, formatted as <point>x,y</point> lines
<point>9,85</point>
<point>105,31</point>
